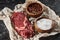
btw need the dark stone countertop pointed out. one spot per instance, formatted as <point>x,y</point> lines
<point>53,4</point>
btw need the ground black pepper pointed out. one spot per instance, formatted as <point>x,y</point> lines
<point>35,8</point>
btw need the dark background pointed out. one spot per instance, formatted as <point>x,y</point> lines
<point>53,4</point>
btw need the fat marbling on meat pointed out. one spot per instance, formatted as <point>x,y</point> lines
<point>22,25</point>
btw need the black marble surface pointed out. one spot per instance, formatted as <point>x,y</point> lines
<point>4,34</point>
<point>53,4</point>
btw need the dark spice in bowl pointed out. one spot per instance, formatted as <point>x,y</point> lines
<point>34,9</point>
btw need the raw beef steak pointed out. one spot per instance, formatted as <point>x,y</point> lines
<point>22,25</point>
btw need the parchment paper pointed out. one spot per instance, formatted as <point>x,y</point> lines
<point>6,13</point>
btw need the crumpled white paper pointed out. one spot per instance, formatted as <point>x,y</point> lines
<point>6,13</point>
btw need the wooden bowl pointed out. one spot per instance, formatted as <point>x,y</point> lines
<point>44,31</point>
<point>34,9</point>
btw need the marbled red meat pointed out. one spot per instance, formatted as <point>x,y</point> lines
<point>22,25</point>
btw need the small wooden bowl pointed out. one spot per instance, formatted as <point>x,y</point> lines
<point>34,9</point>
<point>44,31</point>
